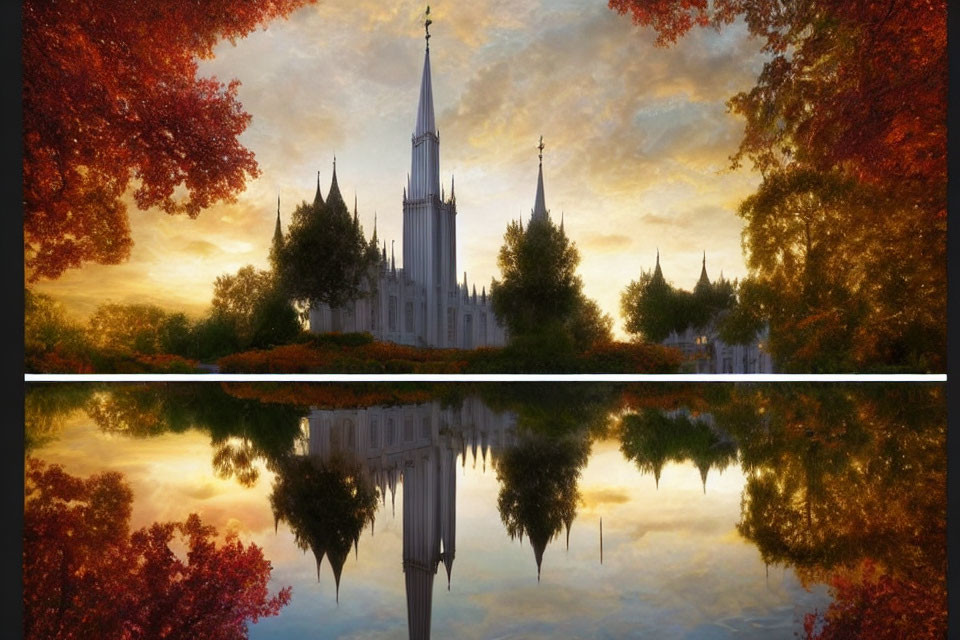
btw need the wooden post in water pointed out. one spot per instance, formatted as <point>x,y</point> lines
<point>601,539</point>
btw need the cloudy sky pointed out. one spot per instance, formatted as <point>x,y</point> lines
<point>637,140</point>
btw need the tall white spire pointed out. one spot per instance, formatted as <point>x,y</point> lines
<point>425,120</point>
<point>539,204</point>
<point>425,160</point>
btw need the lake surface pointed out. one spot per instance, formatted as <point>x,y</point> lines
<point>536,510</point>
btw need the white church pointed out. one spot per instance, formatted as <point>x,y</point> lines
<point>421,303</point>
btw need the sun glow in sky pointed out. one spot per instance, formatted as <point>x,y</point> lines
<point>637,142</point>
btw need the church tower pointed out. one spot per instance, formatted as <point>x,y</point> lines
<point>429,223</point>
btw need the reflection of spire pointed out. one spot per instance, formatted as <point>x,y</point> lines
<point>539,545</point>
<point>601,540</point>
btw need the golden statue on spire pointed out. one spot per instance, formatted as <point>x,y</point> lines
<point>540,146</point>
<point>426,24</point>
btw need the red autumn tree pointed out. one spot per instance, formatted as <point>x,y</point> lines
<point>852,93</point>
<point>872,604</point>
<point>86,576</point>
<point>111,97</point>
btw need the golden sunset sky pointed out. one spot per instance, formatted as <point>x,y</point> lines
<point>637,142</point>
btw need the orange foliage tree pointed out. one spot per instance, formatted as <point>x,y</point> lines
<point>111,96</point>
<point>86,576</point>
<point>847,125</point>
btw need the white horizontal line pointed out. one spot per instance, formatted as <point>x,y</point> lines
<point>485,377</point>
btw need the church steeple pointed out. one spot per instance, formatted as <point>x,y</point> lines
<point>657,273</point>
<point>277,245</point>
<point>277,231</point>
<point>333,195</point>
<point>539,204</point>
<point>425,119</point>
<point>424,178</point>
<point>704,281</point>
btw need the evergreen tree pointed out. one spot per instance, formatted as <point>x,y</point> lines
<point>325,258</point>
<point>540,292</point>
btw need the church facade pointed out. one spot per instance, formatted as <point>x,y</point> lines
<point>421,303</point>
<point>705,352</point>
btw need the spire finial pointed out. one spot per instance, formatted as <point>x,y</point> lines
<point>278,206</point>
<point>540,147</point>
<point>426,25</point>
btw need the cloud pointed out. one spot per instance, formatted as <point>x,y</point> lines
<point>637,140</point>
<point>605,242</point>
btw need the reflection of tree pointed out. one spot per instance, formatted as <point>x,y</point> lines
<point>652,438</point>
<point>326,504</point>
<point>553,408</point>
<point>46,406</point>
<point>538,486</point>
<point>840,478</point>
<point>86,576</point>
<point>871,604</point>
<point>242,431</point>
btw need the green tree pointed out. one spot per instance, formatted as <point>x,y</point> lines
<point>127,327</point>
<point>651,308</point>
<point>325,258</point>
<point>48,328</point>
<point>176,335</point>
<point>589,325</point>
<point>255,305</point>
<point>274,320</point>
<point>539,292</point>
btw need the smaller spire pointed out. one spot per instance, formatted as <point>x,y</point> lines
<point>333,194</point>
<point>539,203</point>
<point>318,199</point>
<point>704,280</point>
<point>453,197</point>
<point>393,260</point>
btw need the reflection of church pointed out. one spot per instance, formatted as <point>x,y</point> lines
<point>416,445</point>
<point>421,303</point>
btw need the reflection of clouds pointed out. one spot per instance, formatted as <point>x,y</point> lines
<point>595,497</point>
<point>170,476</point>
<point>673,563</point>
<point>635,138</point>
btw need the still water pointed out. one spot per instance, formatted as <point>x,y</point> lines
<point>492,511</point>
